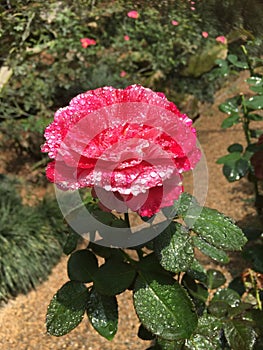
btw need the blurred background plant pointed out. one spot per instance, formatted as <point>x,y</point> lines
<point>44,63</point>
<point>31,240</point>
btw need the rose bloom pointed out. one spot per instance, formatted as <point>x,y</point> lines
<point>221,39</point>
<point>85,42</point>
<point>257,160</point>
<point>131,145</point>
<point>175,23</point>
<point>133,14</point>
<point>126,37</point>
<point>205,34</point>
<point>123,73</point>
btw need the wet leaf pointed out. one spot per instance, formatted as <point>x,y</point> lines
<point>235,166</point>
<point>163,306</point>
<point>173,248</point>
<point>256,84</point>
<point>230,106</point>
<point>227,295</point>
<point>207,334</point>
<point>213,226</point>
<point>163,344</point>
<point>240,335</point>
<point>113,277</point>
<point>66,308</point>
<point>211,251</point>
<point>82,266</point>
<point>219,308</point>
<point>254,102</point>
<point>237,170</point>
<point>102,311</point>
<point>197,272</point>
<point>215,279</point>
<point>218,229</point>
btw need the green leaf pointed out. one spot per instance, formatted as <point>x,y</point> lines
<point>213,226</point>
<point>173,248</point>
<point>256,84</point>
<point>102,311</point>
<point>240,335</point>
<point>227,295</point>
<point>217,229</point>
<point>196,290</point>
<point>235,171</point>
<point>105,252</point>
<point>230,106</point>
<point>235,147</point>
<point>71,243</point>
<point>255,117</point>
<point>207,334</point>
<point>209,250</point>
<point>144,334</point>
<point>66,308</point>
<point>164,344</point>
<point>235,166</point>
<point>114,277</point>
<point>215,279</point>
<point>254,102</point>
<point>197,272</point>
<point>254,254</point>
<point>163,306</point>
<point>234,60</point>
<point>229,158</point>
<point>219,308</point>
<point>258,81</point>
<point>233,119</point>
<point>184,202</point>
<point>82,266</point>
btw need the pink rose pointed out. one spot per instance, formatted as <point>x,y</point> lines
<point>123,73</point>
<point>221,39</point>
<point>126,37</point>
<point>131,146</point>
<point>175,23</point>
<point>85,42</point>
<point>205,34</point>
<point>257,160</point>
<point>133,14</point>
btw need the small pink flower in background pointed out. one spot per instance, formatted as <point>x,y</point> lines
<point>133,14</point>
<point>192,2</point>
<point>192,8</point>
<point>175,23</point>
<point>205,34</point>
<point>85,42</point>
<point>126,37</point>
<point>123,73</point>
<point>221,39</point>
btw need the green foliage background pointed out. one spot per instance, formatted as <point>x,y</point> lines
<point>31,240</point>
<point>40,43</point>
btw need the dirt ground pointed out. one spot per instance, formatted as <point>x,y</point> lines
<point>22,320</point>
